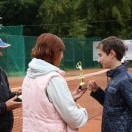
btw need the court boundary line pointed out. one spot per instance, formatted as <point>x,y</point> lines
<point>74,78</point>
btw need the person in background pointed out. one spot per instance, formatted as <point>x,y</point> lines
<point>48,104</point>
<point>117,97</point>
<point>7,98</point>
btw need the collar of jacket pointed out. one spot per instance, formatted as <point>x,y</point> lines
<point>116,71</point>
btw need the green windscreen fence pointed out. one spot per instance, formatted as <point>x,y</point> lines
<point>13,60</point>
<point>16,58</point>
<point>29,44</point>
<point>79,50</point>
<point>76,50</point>
<point>11,30</point>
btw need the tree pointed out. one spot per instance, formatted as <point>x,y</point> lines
<point>70,18</point>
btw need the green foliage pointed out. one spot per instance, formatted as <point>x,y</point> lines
<point>18,12</point>
<point>70,18</point>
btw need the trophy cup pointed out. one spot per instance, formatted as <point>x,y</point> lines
<point>82,83</point>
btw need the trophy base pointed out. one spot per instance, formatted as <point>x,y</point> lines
<point>83,86</point>
<point>19,98</point>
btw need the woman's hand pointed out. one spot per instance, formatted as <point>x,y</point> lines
<point>78,92</point>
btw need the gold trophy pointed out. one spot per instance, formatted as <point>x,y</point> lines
<point>82,83</point>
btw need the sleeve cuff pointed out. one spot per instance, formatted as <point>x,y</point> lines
<point>99,95</point>
<point>3,107</point>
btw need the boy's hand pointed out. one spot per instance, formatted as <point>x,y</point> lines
<point>92,85</point>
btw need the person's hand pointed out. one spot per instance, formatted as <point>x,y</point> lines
<point>19,92</point>
<point>78,92</point>
<point>92,85</point>
<point>11,104</point>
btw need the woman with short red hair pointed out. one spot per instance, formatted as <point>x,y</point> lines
<point>48,105</point>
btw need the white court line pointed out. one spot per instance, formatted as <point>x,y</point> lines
<point>76,77</point>
<point>87,75</point>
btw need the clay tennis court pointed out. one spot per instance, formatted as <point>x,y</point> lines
<point>93,107</point>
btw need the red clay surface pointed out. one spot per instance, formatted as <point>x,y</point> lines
<point>94,109</point>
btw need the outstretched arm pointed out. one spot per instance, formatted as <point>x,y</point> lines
<point>96,92</point>
<point>62,99</point>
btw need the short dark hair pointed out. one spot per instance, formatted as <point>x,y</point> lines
<point>48,47</point>
<point>112,43</point>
